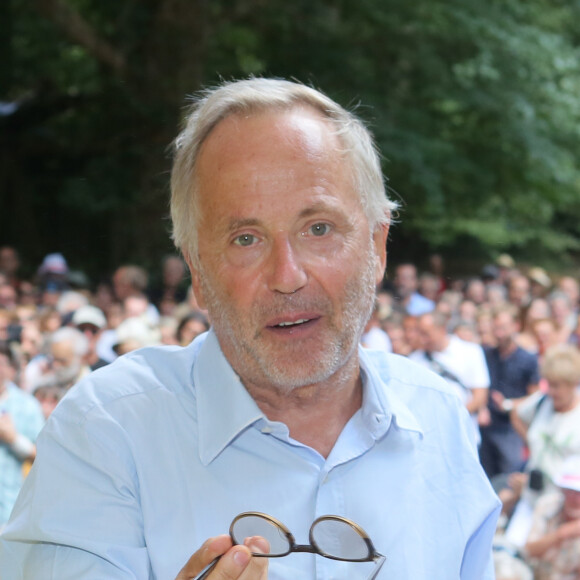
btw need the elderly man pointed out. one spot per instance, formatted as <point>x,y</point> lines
<point>279,208</point>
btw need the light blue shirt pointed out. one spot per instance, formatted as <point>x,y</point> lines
<point>419,304</point>
<point>148,457</point>
<point>28,420</point>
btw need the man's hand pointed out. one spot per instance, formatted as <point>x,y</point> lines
<point>235,563</point>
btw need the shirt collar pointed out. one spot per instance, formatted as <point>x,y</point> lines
<point>381,405</point>
<point>225,409</point>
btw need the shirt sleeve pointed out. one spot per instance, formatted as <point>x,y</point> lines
<point>84,472</point>
<point>477,561</point>
<point>527,409</point>
<point>478,373</point>
<point>33,421</point>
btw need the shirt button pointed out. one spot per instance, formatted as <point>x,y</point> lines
<point>267,430</point>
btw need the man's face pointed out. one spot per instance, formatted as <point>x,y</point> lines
<point>63,355</point>
<point>432,336</point>
<point>406,280</point>
<point>518,290</point>
<point>287,262</point>
<point>504,329</point>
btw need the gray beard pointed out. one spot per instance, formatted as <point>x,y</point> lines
<point>251,358</point>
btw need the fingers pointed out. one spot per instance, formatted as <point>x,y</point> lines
<point>209,551</point>
<point>235,562</point>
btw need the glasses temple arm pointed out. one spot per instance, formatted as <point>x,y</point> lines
<point>380,560</point>
<point>207,570</point>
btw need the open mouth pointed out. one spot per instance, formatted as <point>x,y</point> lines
<point>290,324</point>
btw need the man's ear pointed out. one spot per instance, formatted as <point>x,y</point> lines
<point>380,236</point>
<point>195,280</point>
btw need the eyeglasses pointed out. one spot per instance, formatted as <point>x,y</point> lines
<point>332,537</point>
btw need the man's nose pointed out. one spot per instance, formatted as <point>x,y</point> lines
<point>286,270</point>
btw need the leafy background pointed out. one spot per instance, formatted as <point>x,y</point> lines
<point>475,105</point>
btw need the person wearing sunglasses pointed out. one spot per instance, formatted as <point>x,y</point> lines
<point>280,211</point>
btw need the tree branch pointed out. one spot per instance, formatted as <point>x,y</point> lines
<point>79,30</point>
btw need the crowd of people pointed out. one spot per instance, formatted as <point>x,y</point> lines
<point>506,339</point>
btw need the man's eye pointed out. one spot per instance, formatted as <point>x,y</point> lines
<point>245,240</point>
<point>320,229</point>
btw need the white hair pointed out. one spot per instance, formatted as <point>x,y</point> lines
<point>256,95</point>
<point>78,340</point>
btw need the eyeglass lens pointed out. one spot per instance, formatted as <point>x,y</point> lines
<point>337,538</point>
<point>250,525</point>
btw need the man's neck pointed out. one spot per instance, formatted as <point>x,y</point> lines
<point>506,349</point>
<point>443,343</point>
<point>316,414</point>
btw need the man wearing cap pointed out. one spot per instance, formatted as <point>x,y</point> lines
<point>279,207</point>
<point>553,545</point>
<point>540,282</point>
<point>91,321</point>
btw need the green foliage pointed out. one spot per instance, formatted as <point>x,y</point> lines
<point>476,107</point>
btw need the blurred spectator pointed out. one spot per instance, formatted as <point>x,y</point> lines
<point>168,330</point>
<point>553,545</point>
<point>484,324</point>
<point>399,342</point>
<point>546,335</point>
<point>496,295</point>
<point>8,297</point>
<point>513,375</point>
<point>172,290</point>
<point>466,330</point>
<point>506,266</point>
<point>540,282</point>
<point>134,333</point>
<point>108,337</point>
<point>64,364</point>
<point>68,302</point>
<point>91,321</point>
<point>562,315</point>
<point>429,286</point>
<point>374,337</point>
<point>48,397</point>
<point>20,422</point>
<point>475,291</point>
<point>490,274</point>
<point>406,286</point>
<point>52,274</point>
<point>131,281</point>
<point>537,309</point>
<point>411,330</point>
<point>467,311</point>
<point>437,269</point>
<point>549,423</point>
<point>519,291</point>
<point>571,288</point>
<point>9,265</point>
<point>460,362</point>
<point>191,326</point>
